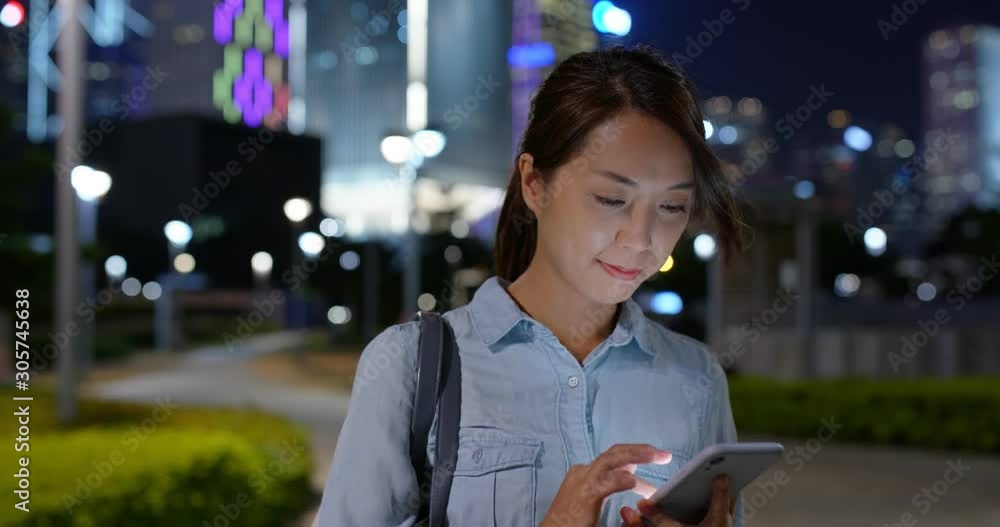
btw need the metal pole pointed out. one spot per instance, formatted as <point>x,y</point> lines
<point>370,299</point>
<point>69,102</point>
<point>805,245</point>
<point>411,272</point>
<point>88,284</point>
<point>297,317</point>
<point>715,299</point>
<point>163,307</point>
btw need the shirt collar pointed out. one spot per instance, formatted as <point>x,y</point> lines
<point>495,314</point>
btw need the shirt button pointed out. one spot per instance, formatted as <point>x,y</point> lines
<point>477,456</point>
<point>573,381</point>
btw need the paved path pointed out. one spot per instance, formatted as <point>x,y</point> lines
<point>838,485</point>
<point>214,376</point>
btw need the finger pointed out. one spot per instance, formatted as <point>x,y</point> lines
<point>643,488</point>
<point>630,517</point>
<point>718,513</point>
<point>623,454</point>
<point>608,483</point>
<point>732,504</point>
<point>654,515</point>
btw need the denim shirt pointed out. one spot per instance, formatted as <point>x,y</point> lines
<point>530,410</point>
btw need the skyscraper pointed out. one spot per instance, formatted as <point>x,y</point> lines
<point>962,68</point>
<point>544,33</point>
<point>367,79</point>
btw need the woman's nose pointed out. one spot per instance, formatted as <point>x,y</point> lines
<point>636,234</point>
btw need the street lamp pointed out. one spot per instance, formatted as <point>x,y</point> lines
<point>875,241</point>
<point>261,263</point>
<point>90,186</point>
<point>396,149</point>
<point>406,154</point>
<point>115,267</point>
<point>178,236</point>
<point>429,142</point>
<point>706,249</point>
<point>311,244</point>
<point>296,209</point>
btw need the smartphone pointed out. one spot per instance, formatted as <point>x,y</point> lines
<point>686,496</point>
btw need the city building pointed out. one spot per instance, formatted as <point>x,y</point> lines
<point>961,69</point>
<point>544,33</point>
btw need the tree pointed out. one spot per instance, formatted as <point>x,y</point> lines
<point>23,170</point>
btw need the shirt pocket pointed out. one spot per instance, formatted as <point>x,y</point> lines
<point>494,480</point>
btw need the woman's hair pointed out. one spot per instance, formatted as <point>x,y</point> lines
<point>585,91</point>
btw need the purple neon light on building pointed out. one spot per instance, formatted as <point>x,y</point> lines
<point>225,16</point>
<point>274,12</point>
<point>252,92</point>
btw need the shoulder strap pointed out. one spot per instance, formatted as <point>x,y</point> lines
<point>438,385</point>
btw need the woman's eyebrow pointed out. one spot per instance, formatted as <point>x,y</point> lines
<point>618,178</point>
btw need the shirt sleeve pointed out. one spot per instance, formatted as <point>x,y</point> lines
<point>371,479</point>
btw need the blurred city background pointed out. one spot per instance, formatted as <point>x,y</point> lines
<point>215,205</point>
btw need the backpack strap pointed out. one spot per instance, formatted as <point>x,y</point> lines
<point>438,386</point>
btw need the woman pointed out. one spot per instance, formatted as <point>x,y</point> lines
<point>574,404</point>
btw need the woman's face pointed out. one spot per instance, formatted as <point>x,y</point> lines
<point>610,217</point>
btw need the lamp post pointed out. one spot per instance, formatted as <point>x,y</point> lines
<point>296,209</point>
<point>178,235</point>
<point>90,186</point>
<point>261,263</point>
<point>406,154</point>
<point>706,250</point>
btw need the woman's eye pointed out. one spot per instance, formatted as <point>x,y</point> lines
<point>608,202</point>
<point>674,209</point>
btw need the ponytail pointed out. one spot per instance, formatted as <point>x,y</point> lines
<point>517,232</point>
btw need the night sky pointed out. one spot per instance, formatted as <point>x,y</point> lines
<point>776,50</point>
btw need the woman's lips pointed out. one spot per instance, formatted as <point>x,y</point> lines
<point>619,272</point>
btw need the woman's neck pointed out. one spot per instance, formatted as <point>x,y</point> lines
<point>579,323</point>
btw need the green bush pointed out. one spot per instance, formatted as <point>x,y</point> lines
<point>959,414</point>
<point>127,464</point>
<point>113,347</point>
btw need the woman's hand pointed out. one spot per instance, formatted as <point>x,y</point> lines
<point>586,487</point>
<point>720,510</point>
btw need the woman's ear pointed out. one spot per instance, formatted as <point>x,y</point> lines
<point>532,186</point>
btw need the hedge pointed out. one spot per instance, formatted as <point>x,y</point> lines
<point>955,414</point>
<point>220,467</point>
